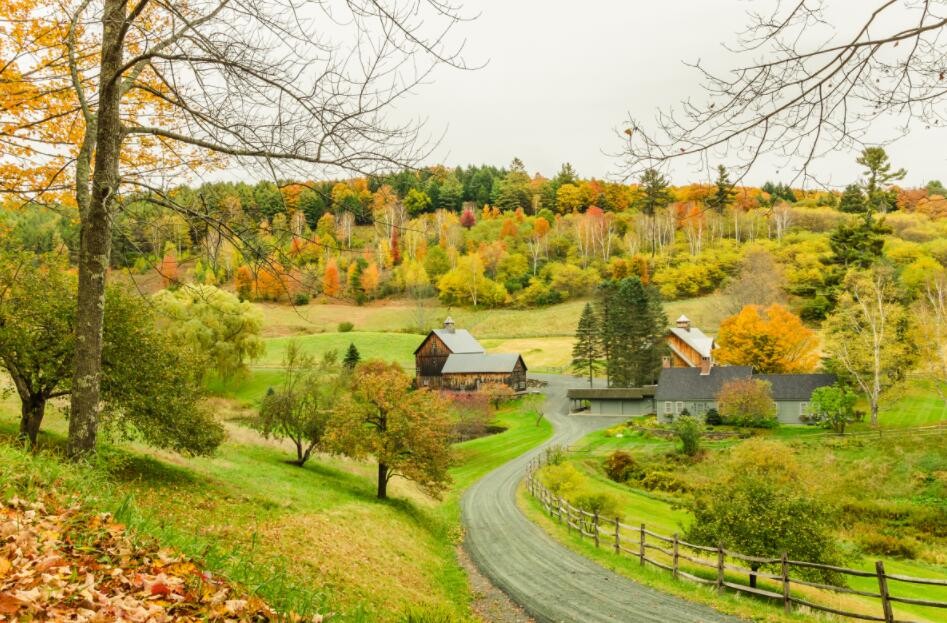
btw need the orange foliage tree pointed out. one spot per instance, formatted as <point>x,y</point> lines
<point>330,280</point>
<point>370,279</point>
<point>771,341</point>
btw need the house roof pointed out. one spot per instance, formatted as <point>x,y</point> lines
<point>611,393</point>
<point>690,384</point>
<point>795,386</point>
<point>696,339</point>
<point>480,362</point>
<point>457,341</point>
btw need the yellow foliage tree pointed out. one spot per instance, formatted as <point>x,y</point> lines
<point>772,341</point>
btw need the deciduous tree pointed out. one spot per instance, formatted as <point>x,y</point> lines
<point>747,402</point>
<point>406,431</point>
<point>771,341</point>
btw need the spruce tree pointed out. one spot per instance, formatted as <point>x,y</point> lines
<point>723,193</point>
<point>587,352</point>
<point>352,357</point>
<point>633,332</point>
<point>852,200</point>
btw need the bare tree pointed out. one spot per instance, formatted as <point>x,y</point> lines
<point>152,89</point>
<point>802,88</point>
<point>931,314</point>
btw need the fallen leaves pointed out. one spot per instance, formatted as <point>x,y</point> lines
<point>66,565</point>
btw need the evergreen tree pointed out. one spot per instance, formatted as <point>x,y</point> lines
<point>633,330</point>
<point>724,193</point>
<point>852,200</point>
<point>352,357</point>
<point>878,178</point>
<point>653,195</point>
<point>587,352</point>
<point>858,244</point>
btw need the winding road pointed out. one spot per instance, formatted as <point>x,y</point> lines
<point>552,583</point>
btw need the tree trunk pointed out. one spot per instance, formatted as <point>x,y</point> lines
<point>95,240</point>
<point>874,413</point>
<point>31,417</point>
<point>382,481</point>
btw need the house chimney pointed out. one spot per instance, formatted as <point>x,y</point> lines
<point>705,365</point>
<point>449,324</point>
<point>665,362</point>
<point>684,323</point>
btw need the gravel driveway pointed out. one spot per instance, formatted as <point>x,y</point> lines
<point>552,583</point>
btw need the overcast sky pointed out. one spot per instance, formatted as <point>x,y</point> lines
<point>561,76</point>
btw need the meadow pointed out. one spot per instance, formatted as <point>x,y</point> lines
<point>311,539</point>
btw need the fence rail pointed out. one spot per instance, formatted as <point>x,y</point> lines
<point>633,541</point>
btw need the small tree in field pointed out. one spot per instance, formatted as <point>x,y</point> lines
<point>747,402</point>
<point>761,508</point>
<point>352,357</point>
<point>407,432</point>
<point>689,429</point>
<point>301,409</point>
<point>833,407</point>
<point>497,393</point>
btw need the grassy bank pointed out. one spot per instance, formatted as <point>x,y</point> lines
<point>310,539</point>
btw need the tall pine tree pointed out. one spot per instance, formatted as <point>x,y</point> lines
<point>587,352</point>
<point>633,332</point>
<point>653,194</point>
<point>723,192</point>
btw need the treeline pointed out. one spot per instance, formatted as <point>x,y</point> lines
<point>492,236</point>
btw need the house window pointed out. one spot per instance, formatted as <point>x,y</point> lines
<point>668,408</point>
<point>680,407</point>
<point>803,408</point>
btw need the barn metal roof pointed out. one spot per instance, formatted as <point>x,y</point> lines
<point>480,362</point>
<point>459,341</point>
<point>612,393</point>
<point>696,339</point>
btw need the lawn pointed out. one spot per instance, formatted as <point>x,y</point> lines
<point>309,539</point>
<point>914,404</point>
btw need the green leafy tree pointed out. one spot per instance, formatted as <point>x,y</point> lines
<point>688,430</point>
<point>723,193</point>
<point>833,407</point>
<point>513,190</point>
<point>407,432</point>
<point>352,357</point>
<point>878,178</point>
<point>869,336</point>
<point>760,507</point>
<point>653,194</point>
<point>215,323</point>
<point>417,202</point>
<point>633,327</point>
<point>151,383</point>
<point>301,408</point>
<point>747,402</point>
<point>587,351</point>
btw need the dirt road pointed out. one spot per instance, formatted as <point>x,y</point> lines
<point>552,583</point>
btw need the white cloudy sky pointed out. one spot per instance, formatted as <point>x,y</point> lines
<point>562,75</point>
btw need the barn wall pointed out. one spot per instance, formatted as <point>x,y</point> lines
<point>430,358</point>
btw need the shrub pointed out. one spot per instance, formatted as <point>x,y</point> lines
<point>689,429</point>
<point>561,479</point>
<point>663,481</point>
<point>620,466</point>
<point>602,503</point>
<point>555,455</point>
<point>748,402</point>
<point>301,299</point>
<point>712,418</point>
<point>345,327</point>
<point>888,545</point>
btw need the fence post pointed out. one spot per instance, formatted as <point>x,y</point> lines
<point>595,527</point>
<point>559,509</point>
<point>568,517</point>
<point>641,544</point>
<point>720,568</point>
<point>883,591</point>
<point>786,602</point>
<point>674,565</point>
<point>617,536</point>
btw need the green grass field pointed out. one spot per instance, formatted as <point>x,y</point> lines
<point>308,539</point>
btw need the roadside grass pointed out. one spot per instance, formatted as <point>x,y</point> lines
<point>310,539</point>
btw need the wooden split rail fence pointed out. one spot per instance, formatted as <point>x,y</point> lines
<point>716,566</point>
